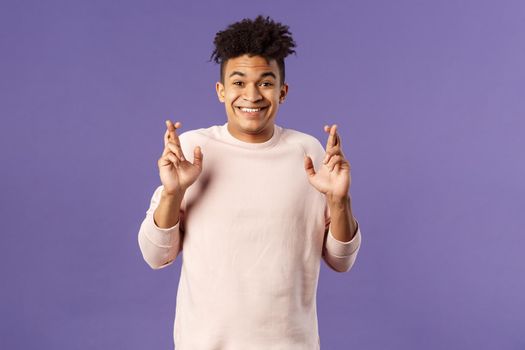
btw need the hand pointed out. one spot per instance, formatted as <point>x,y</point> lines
<point>333,178</point>
<point>176,173</point>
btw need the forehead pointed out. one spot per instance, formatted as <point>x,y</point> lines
<point>253,65</point>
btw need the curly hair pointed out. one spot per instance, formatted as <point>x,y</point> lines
<point>259,37</point>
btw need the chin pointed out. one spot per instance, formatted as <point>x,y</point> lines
<point>251,127</point>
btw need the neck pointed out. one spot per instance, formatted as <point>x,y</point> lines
<point>260,137</point>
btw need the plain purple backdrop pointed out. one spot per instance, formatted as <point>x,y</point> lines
<point>430,100</point>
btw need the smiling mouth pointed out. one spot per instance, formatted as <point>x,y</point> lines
<point>251,110</point>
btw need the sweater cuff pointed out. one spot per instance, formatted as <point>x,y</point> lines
<point>161,237</point>
<point>343,249</point>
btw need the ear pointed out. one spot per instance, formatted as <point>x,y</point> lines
<point>283,92</point>
<point>219,87</point>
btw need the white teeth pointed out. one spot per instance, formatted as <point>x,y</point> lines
<point>250,109</point>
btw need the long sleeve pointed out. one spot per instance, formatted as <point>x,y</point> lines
<point>253,230</point>
<point>340,256</point>
<point>159,246</point>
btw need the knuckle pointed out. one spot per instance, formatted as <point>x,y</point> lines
<point>174,144</point>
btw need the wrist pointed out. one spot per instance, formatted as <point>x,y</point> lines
<point>174,196</point>
<point>338,201</point>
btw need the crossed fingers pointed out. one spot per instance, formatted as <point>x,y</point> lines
<point>334,154</point>
<point>172,148</point>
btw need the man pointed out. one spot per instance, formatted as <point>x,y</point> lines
<point>248,209</point>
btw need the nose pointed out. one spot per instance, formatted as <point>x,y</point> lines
<point>251,93</point>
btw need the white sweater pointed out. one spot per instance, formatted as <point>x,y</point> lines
<point>251,234</point>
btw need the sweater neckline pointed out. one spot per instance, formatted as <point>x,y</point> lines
<point>226,135</point>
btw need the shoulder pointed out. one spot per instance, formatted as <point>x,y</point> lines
<point>198,134</point>
<point>197,137</point>
<point>309,143</point>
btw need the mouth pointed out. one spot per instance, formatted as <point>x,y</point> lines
<point>251,112</point>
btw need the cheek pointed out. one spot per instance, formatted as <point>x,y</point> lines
<point>272,96</point>
<point>231,96</point>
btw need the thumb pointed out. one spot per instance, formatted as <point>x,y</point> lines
<point>309,166</point>
<point>197,157</point>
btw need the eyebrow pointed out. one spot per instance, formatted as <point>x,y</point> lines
<point>265,74</point>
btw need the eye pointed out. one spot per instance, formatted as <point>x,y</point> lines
<point>267,83</point>
<point>238,83</point>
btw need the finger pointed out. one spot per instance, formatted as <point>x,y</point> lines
<point>333,134</point>
<point>328,141</point>
<point>333,161</point>
<point>331,137</point>
<point>165,151</point>
<point>172,128</point>
<point>169,123</point>
<point>309,166</point>
<point>176,149</point>
<point>173,159</point>
<point>170,148</point>
<point>166,134</point>
<point>197,157</point>
<point>337,139</point>
<point>345,165</point>
<point>174,138</point>
<point>331,152</point>
<point>167,159</point>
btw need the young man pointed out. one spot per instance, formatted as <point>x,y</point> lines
<point>252,206</point>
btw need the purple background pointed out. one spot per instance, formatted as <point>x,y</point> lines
<point>429,97</point>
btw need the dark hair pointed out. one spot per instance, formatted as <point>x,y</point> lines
<point>259,37</point>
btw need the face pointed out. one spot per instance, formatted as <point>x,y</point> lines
<point>251,82</point>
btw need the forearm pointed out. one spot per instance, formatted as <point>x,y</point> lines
<point>342,223</point>
<point>167,213</point>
